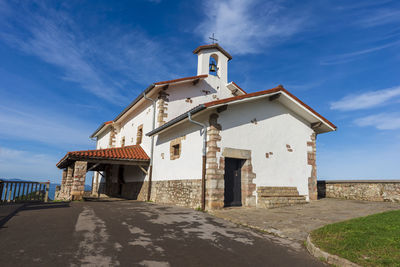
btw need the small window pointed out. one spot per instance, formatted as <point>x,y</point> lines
<point>139,135</point>
<point>123,141</point>
<point>176,149</point>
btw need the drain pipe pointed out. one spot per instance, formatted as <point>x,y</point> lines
<point>152,146</point>
<point>203,174</point>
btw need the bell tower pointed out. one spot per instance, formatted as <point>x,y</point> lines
<point>213,59</point>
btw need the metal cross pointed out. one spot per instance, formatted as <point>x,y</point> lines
<point>213,38</point>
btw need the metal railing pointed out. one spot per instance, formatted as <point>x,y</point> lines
<point>23,191</point>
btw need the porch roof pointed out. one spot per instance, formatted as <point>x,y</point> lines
<point>119,155</point>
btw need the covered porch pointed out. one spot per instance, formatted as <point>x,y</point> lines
<point>109,165</point>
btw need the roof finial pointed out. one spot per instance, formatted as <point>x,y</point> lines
<point>213,38</point>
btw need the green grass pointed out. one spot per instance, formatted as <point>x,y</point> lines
<point>369,241</point>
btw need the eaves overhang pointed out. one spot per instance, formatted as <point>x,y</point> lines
<point>148,90</point>
<point>295,103</point>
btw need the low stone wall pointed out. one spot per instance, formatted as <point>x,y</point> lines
<point>177,192</point>
<point>370,190</point>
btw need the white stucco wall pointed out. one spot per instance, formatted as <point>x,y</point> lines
<point>142,115</point>
<point>189,164</point>
<point>276,127</point>
<point>103,140</point>
<point>179,93</point>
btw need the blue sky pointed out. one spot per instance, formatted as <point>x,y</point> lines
<point>66,67</point>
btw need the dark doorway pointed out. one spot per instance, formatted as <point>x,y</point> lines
<point>233,184</point>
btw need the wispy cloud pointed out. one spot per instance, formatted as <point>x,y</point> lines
<point>51,36</point>
<point>348,57</point>
<point>381,121</point>
<point>246,27</point>
<point>56,130</point>
<point>380,17</point>
<point>28,165</point>
<point>367,100</point>
<point>102,67</point>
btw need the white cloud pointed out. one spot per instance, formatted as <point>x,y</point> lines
<point>44,126</point>
<point>102,67</point>
<point>380,17</point>
<point>348,57</point>
<point>27,165</point>
<point>245,27</point>
<point>367,100</point>
<point>381,121</point>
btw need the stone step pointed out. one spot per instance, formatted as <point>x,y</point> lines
<point>277,191</point>
<point>274,202</point>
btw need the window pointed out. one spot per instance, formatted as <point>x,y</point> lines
<point>139,135</point>
<point>176,149</point>
<point>123,141</point>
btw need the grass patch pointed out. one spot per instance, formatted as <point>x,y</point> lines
<point>369,241</point>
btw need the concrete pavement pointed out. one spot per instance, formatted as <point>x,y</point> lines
<point>296,222</point>
<point>130,233</point>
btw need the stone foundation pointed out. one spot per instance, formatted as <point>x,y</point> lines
<point>370,190</point>
<point>185,193</point>
<point>278,196</point>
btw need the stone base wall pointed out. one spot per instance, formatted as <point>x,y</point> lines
<point>372,190</point>
<point>185,193</point>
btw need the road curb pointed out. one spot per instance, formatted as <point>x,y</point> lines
<point>329,258</point>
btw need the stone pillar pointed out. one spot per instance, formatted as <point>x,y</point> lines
<point>248,186</point>
<point>311,159</point>
<point>78,186</point>
<point>214,175</point>
<point>162,108</point>
<point>68,182</point>
<point>63,179</point>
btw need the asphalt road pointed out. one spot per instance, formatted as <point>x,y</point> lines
<point>129,233</point>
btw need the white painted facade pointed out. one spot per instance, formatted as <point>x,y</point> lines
<point>275,125</point>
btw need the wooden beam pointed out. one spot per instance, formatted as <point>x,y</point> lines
<point>94,166</point>
<point>222,108</point>
<point>274,97</point>
<point>196,81</point>
<point>143,169</point>
<point>315,125</point>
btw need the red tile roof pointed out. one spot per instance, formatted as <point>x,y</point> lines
<point>108,122</point>
<point>273,90</point>
<point>182,79</point>
<point>134,152</point>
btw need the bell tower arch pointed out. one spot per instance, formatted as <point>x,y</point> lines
<point>209,54</point>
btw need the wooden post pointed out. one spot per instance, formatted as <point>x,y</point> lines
<point>14,191</point>
<point>9,193</point>
<point>1,190</point>
<point>19,191</point>
<point>23,193</point>
<point>46,197</point>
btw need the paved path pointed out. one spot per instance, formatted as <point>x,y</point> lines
<point>129,233</point>
<point>296,222</point>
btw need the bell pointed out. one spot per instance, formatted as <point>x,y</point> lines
<point>213,67</point>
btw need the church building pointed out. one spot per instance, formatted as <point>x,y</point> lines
<point>203,142</point>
